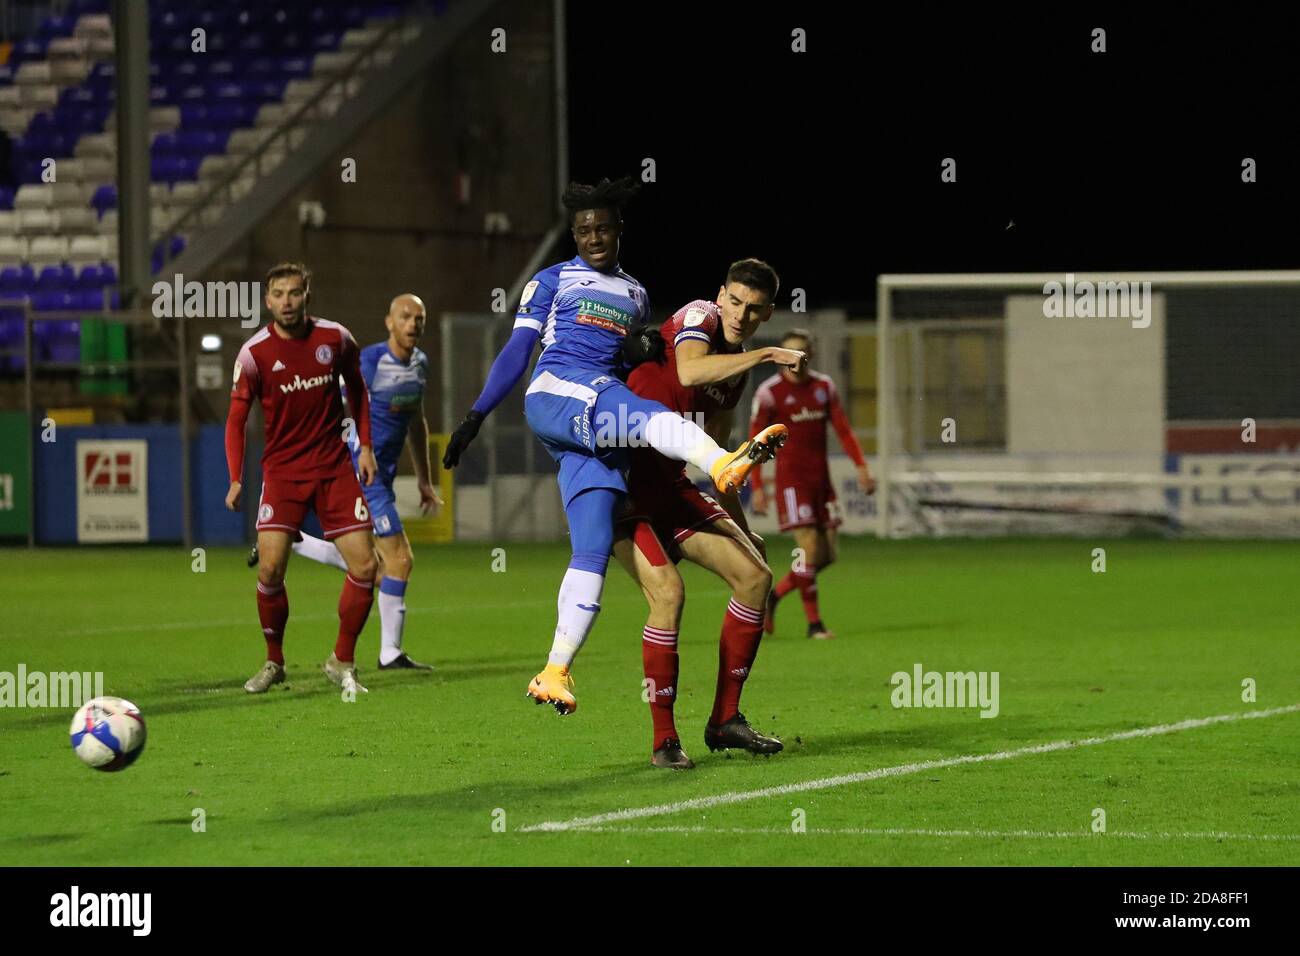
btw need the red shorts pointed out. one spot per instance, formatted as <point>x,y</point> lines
<point>673,511</point>
<point>337,500</point>
<point>804,506</point>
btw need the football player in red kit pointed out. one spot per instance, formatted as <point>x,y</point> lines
<point>668,518</point>
<point>805,498</point>
<point>292,366</point>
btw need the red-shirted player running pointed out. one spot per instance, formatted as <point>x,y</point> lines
<point>702,377</point>
<point>805,498</point>
<point>292,366</point>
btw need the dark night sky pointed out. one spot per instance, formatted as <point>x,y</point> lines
<point>827,163</point>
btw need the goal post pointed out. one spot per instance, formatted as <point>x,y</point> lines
<point>1093,403</point>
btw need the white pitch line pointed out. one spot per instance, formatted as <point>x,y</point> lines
<point>825,783</point>
<point>983,834</point>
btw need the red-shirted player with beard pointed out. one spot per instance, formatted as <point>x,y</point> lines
<point>702,376</point>
<point>805,401</point>
<point>292,366</point>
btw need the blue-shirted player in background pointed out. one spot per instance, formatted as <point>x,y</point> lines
<point>594,323</point>
<point>395,372</point>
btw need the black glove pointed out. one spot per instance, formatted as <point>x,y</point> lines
<point>643,343</point>
<point>460,439</point>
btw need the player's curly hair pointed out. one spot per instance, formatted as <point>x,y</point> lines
<point>756,274</point>
<point>606,194</point>
<point>283,269</point>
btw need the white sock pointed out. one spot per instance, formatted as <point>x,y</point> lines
<point>318,549</point>
<point>575,621</point>
<point>682,439</point>
<point>392,618</point>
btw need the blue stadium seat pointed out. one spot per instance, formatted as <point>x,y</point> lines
<point>94,277</point>
<point>16,282</point>
<point>55,279</point>
<point>105,198</point>
<point>58,340</point>
<point>11,338</point>
<point>52,301</point>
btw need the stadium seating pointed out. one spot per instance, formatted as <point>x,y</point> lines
<point>58,241</point>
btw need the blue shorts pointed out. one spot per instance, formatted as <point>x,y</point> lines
<point>382,506</point>
<point>560,412</point>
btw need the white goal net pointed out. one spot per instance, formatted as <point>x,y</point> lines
<point>1092,404</point>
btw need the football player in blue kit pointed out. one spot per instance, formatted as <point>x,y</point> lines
<point>594,324</point>
<point>395,372</point>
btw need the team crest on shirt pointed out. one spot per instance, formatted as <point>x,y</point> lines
<point>325,355</point>
<point>264,513</point>
<point>821,395</point>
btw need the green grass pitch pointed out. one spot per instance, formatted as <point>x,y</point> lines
<point>420,769</point>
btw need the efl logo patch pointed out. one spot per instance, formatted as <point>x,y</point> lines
<point>528,292</point>
<point>693,318</point>
<point>325,355</point>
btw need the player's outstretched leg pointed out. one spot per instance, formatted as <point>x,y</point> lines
<point>355,601</point>
<point>320,550</point>
<point>624,418</point>
<point>591,532</point>
<point>272,608</point>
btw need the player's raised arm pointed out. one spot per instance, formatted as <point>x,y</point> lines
<point>840,422</point>
<point>243,389</point>
<point>696,366</point>
<point>359,405</point>
<point>510,364</point>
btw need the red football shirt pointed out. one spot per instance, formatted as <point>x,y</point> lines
<point>804,408</point>
<point>696,321</point>
<point>297,382</point>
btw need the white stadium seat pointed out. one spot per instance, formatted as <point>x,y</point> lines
<point>96,144</point>
<point>87,251</point>
<point>33,73</point>
<point>71,193</point>
<point>13,249</point>
<point>108,224</point>
<point>78,220</point>
<point>47,251</point>
<point>184,193</point>
<point>37,222</point>
<point>99,170</point>
<point>34,196</point>
<point>93,25</point>
<point>40,97</point>
<point>70,170</point>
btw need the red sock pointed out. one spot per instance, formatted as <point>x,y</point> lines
<point>742,629</point>
<point>354,607</point>
<point>659,658</point>
<point>273,612</point>
<point>808,591</point>
<point>786,585</point>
